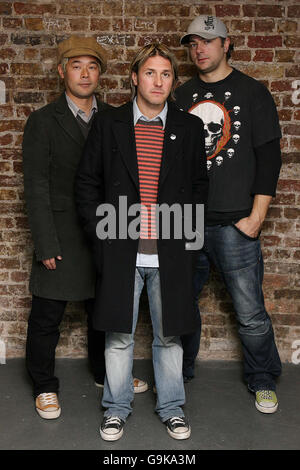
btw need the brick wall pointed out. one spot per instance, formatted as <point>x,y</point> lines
<point>266,38</point>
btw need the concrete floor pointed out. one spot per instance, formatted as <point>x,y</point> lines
<point>220,409</point>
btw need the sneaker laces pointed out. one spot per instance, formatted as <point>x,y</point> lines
<point>48,399</point>
<point>265,394</point>
<point>177,420</point>
<point>113,420</point>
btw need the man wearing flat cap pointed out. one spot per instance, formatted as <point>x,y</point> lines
<point>62,267</point>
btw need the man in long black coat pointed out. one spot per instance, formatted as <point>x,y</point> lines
<point>62,269</point>
<point>145,152</point>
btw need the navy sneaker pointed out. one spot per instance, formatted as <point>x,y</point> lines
<point>178,427</point>
<point>111,428</point>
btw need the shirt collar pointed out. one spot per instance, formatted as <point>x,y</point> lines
<point>76,110</point>
<point>138,115</point>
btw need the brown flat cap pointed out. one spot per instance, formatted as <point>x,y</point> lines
<point>77,45</point>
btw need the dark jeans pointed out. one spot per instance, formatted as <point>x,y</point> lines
<point>191,342</point>
<point>42,338</point>
<point>239,260</point>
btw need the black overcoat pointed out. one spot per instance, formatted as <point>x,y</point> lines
<point>52,148</point>
<point>108,170</point>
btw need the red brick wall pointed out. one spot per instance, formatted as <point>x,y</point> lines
<point>266,38</point>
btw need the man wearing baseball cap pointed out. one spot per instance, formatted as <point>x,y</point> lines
<point>62,267</point>
<point>242,142</point>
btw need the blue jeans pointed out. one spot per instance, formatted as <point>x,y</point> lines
<point>166,354</point>
<point>239,260</point>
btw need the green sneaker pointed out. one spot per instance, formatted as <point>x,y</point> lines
<point>266,401</point>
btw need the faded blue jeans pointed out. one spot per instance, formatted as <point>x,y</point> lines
<point>166,354</point>
<point>238,259</point>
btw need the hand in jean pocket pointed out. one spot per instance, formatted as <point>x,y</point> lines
<point>249,227</point>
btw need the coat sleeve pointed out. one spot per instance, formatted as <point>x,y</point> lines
<point>36,167</point>
<point>200,177</point>
<point>200,180</point>
<point>89,184</point>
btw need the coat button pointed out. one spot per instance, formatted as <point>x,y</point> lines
<point>114,149</point>
<point>182,190</point>
<point>116,183</point>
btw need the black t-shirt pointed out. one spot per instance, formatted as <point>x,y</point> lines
<point>239,116</point>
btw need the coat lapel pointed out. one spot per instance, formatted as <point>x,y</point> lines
<point>67,121</point>
<point>124,135</point>
<point>173,141</point>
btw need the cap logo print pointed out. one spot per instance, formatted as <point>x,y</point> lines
<point>209,22</point>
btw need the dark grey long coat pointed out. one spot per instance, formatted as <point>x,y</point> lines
<point>109,170</point>
<point>52,147</point>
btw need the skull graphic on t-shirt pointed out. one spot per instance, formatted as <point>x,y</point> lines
<point>216,123</point>
<point>218,126</point>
